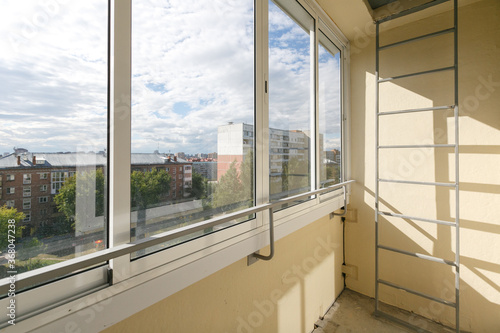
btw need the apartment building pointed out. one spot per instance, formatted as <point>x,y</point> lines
<point>29,180</point>
<point>208,169</point>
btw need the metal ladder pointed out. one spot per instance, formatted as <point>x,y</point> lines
<point>455,185</point>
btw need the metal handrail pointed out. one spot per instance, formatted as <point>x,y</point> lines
<point>271,240</point>
<point>47,273</point>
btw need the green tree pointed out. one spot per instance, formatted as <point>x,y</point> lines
<point>87,185</point>
<point>293,179</point>
<point>247,176</point>
<point>6,215</point>
<point>229,190</point>
<point>147,188</point>
<point>333,172</point>
<point>199,186</point>
<point>235,186</point>
<point>298,174</point>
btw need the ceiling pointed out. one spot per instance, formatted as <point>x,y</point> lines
<point>379,3</point>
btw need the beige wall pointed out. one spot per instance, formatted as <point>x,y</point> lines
<point>285,295</point>
<point>479,91</point>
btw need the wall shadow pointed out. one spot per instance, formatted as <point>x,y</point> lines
<point>479,97</point>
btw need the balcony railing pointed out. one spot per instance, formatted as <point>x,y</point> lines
<point>58,270</point>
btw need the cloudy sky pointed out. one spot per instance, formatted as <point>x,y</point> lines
<point>329,95</point>
<point>192,72</point>
<point>53,72</point>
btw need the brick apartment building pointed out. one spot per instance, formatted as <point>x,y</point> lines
<point>29,181</point>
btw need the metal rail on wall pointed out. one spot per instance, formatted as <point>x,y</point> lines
<point>55,271</point>
<point>378,246</point>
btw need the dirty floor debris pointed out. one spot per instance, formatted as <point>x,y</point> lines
<point>353,313</point>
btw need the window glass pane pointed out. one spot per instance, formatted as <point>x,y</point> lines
<point>290,98</point>
<point>330,115</point>
<point>192,113</point>
<point>53,109</point>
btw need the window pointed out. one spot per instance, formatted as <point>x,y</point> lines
<point>10,203</point>
<point>290,102</point>
<point>330,112</point>
<point>200,76</point>
<point>27,178</point>
<point>27,191</point>
<point>57,180</point>
<point>27,217</point>
<point>62,75</point>
<point>26,203</point>
<point>183,66</point>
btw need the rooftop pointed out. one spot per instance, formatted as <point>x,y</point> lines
<point>80,159</point>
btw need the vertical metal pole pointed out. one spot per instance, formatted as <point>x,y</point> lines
<point>376,162</point>
<point>457,177</point>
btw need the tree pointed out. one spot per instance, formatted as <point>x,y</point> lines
<point>147,188</point>
<point>199,186</point>
<point>293,179</point>
<point>86,185</point>
<point>6,215</point>
<point>297,174</point>
<point>247,176</point>
<point>229,190</point>
<point>235,186</point>
<point>333,173</point>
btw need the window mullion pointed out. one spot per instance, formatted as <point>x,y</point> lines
<point>120,131</point>
<point>346,107</point>
<point>262,104</point>
<point>315,138</point>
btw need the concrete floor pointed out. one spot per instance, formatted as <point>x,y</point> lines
<point>353,313</point>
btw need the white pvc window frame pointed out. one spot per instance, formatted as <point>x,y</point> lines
<point>62,301</point>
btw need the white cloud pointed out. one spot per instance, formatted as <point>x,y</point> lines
<point>54,74</point>
<point>290,71</point>
<point>192,72</point>
<point>203,59</point>
<point>330,101</point>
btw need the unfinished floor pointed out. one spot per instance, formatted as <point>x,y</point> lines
<point>353,312</point>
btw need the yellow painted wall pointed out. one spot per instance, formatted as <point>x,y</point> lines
<point>285,295</point>
<point>479,92</point>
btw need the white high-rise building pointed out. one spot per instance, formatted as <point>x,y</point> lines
<point>235,141</point>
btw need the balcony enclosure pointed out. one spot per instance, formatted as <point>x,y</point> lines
<point>234,166</point>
